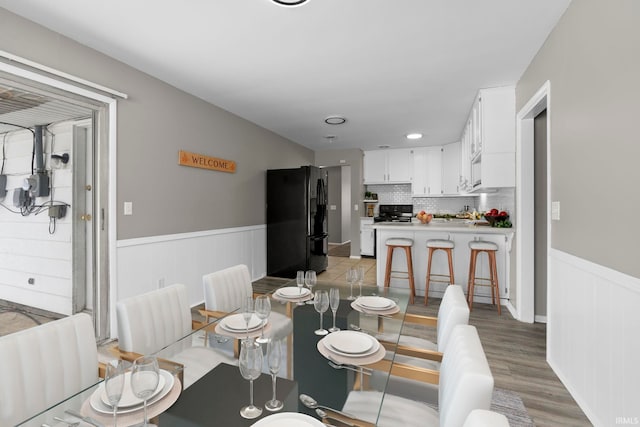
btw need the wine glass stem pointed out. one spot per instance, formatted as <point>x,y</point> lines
<point>273,386</point>
<point>250,392</point>
<point>262,332</point>
<point>351,289</point>
<point>320,320</point>
<point>146,420</point>
<point>115,409</point>
<point>334,319</point>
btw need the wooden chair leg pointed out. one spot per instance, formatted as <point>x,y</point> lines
<point>494,280</point>
<point>410,272</point>
<point>472,274</point>
<point>426,291</point>
<point>387,273</point>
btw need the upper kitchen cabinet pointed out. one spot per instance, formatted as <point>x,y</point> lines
<point>489,140</point>
<point>388,166</point>
<point>427,172</point>
<point>451,168</point>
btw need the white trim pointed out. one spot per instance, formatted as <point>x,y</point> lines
<point>180,236</point>
<point>355,257</point>
<point>540,319</point>
<point>66,76</point>
<point>525,287</point>
<point>511,308</point>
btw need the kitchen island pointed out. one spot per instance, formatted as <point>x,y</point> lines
<point>461,232</point>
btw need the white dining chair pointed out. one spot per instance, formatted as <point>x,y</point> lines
<point>453,311</point>
<point>154,320</point>
<point>46,364</point>
<point>465,384</point>
<point>224,292</point>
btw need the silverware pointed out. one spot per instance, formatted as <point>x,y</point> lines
<point>311,403</point>
<point>69,423</point>
<point>87,420</point>
<point>322,414</point>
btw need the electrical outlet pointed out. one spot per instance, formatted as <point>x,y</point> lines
<point>555,211</point>
<point>128,208</point>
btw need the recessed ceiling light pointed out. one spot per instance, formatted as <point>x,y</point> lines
<point>335,120</point>
<point>289,2</point>
<point>330,138</point>
<point>414,135</point>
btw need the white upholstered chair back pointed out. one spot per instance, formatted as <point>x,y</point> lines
<point>225,290</point>
<point>484,418</point>
<point>45,364</point>
<point>151,321</point>
<point>466,382</point>
<point>453,311</point>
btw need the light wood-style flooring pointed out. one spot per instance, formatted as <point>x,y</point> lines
<point>516,352</point>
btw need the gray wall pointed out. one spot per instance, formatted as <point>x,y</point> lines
<point>335,199</point>
<point>591,59</point>
<point>352,158</point>
<point>153,124</point>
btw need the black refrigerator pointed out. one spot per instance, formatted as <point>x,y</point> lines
<point>297,235</point>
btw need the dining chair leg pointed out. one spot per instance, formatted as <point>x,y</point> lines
<point>426,290</point>
<point>387,273</point>
<point>410,273</point>
<point>452,280</point>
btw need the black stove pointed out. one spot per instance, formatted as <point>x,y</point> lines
<point>394,213</point>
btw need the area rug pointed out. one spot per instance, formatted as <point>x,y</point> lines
<point>341,250</point>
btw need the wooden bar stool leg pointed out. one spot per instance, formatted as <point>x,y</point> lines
<point>410,272</point>
<point>472,274</point>
<point>387,273</point>
<point>494,279</point>
<point>450,257</point>
<point>426,292</point>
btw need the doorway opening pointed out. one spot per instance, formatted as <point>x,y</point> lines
<point>55,241</point>
<point>526,202</point>
<point>339,183</point>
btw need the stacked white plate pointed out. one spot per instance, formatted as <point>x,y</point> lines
<point>291,292</point>
<point>288,419</point>
<point>236,323</point>
<point>375,303</point>
<point>351,344</point>
<point>129,402</point>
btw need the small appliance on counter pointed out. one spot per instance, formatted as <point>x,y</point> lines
<point>394,213</point>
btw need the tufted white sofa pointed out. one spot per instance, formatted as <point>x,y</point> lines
<point>152,321</point>
<point>45,364</point>
<point>465,384</point>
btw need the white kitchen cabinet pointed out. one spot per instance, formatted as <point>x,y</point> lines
<point>489,140</point>
<point>388,166</point>
<point>451,168</point>
<point>427,171</point>
<point>367,237</point>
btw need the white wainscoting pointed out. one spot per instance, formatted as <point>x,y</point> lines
<point>593,337</point>
<point>149,263</point>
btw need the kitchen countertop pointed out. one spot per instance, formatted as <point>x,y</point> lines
<point>448,226</point>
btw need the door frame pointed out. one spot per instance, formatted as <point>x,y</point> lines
<point>525,241</point>
<point>105,248</point>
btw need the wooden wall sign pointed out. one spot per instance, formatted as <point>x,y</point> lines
<point>186,158</point>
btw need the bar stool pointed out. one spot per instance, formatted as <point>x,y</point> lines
<point>435,245</point>
<point>407,245</point>
<point>477,247</point>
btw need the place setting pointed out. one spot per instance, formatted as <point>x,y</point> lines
<point>298,294</point>
<point>376,305</point>
<point>251,322</point>
<point>131,393</point>
<point>351,348</point>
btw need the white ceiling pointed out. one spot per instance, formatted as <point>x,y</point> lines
<point>389,66</point>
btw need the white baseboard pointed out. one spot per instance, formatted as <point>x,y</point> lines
<point>540,319</point>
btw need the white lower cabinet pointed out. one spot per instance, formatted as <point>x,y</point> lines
<point>367,237</point>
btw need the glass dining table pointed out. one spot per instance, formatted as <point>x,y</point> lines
<point>317,371</point>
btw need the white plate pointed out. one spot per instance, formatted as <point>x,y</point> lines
<point>375,303</point>
<point>99,406</point>
<point>288,419</point>
<point>236,323</point>
<point>367,353</point>
<point>129,399</point>
<point>292,292</point>
<point>350,343</point>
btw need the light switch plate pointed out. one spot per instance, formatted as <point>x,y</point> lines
<point>555,211</point>
<point>128,208</point>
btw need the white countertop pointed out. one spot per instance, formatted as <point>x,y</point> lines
<point>448,226</point>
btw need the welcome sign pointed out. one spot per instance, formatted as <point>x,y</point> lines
<point>186,158</point>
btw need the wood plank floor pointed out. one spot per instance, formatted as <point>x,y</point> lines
<point>516,352</point>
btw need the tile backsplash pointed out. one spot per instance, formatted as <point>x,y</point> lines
<point>400,194</point>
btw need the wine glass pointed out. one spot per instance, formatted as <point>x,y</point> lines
<point>300,283</point>
<point>321,304</point>
<point>263,309</point>
<point>351,277</point>
<point>250,363</point>
<point>274,356</point>
<point>144,381</point>
<point>247,311</point>
<point>310,280</point>
<point>334,302</point>
<point>114,384</point>
<point>360,278</point>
